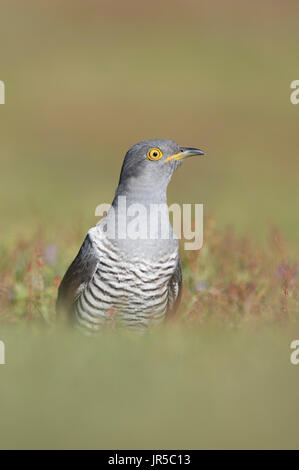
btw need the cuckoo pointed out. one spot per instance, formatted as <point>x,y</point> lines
<point>119,277</point>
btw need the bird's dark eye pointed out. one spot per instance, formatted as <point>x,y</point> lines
<point>154,154</point>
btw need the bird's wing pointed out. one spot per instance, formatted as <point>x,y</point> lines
<point>77,277</point>
<point>174,290</point>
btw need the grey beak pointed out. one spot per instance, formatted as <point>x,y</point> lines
<point>185,152</point>
<point>190,152</point>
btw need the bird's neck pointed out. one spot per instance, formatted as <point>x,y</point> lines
<point>143,210</point>
<point>138,192</point>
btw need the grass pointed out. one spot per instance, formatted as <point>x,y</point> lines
<point>218,376</point>
<point>231,279</point>
<point>174,388</point>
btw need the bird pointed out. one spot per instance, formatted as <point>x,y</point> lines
<point>129,281</point>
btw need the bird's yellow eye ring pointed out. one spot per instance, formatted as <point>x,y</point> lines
<point>154,154</point>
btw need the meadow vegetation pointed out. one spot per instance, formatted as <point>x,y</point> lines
<point>231,280</point>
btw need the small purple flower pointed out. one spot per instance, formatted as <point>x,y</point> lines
<point>50,254</point>
<point>291,273</point>
<point>10,294</point>
<point>201,286</point>
<point>281,271</point>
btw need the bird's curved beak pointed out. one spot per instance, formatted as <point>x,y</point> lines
<point>185,152</point>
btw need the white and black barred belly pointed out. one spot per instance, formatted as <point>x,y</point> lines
<point>131,293</point>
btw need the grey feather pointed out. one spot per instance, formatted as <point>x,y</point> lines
<point>79,273</point>
<point>175,290</point>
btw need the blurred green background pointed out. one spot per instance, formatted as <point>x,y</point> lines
<point>85,80</point>
<point>178,389</point>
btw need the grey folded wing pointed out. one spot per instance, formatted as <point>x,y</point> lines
<point>175,290</point>
<point>77,277</point>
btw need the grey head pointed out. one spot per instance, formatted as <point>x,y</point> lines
<point>146,171</point>
<point>148,167</point>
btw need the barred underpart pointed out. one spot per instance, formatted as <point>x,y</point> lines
<point>133,293</point>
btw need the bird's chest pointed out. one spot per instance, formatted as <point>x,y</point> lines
<point>137,289</point>
<point>132,292</point>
